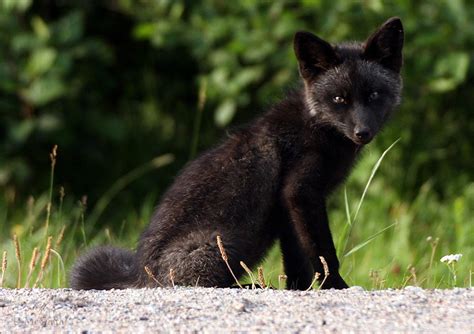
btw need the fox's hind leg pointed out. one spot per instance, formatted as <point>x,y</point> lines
<point>195,260</point>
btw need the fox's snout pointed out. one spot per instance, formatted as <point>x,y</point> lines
<point>363,134</point>
<point>365,126</point>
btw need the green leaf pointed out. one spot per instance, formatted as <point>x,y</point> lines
<point>21,131</point>
<point>19,5</point>
<point>44,90</point>
<point>225,112</point>
<point>144,30</point>
<point>70,28</point>
<point>40,62</point>
<point>451,71</point>
<point>40,28</point>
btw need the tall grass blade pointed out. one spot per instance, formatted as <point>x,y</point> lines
<point>361,200</point>
<point>374,170</point>
<point>345,231</point>
<point>348,209</point>
<point>60,266</point>
<point>369,240</point>
<point>125,180</point>
<point>197,120</point>
<point>52,156</point>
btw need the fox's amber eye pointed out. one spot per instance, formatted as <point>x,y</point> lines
<point>338,99</point>
<point>374,96</point>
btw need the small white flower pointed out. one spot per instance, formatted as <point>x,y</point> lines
<point>451,258</point>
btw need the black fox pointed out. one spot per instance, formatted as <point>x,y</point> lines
<point>269,180</point>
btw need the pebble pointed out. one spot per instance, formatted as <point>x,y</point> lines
<point>414,289</point>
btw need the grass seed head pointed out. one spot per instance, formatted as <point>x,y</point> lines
<point>249,272</point>
<point>220,245</point>
<point>34,257</point>
<point>172,276</point>
<point>47,253</point>
<point>221,248</point>
<point>247,269</point>
<point>17,248</point>
<point>4,267</point>
<point>62,193</point>
<point>53,155</point>
<point>60,235</point>
<point>325,265</point>
<point>4,261</point>
<point>150,275</point>
<point>261,278</point>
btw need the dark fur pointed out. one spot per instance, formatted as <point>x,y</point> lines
<point>269,181</point>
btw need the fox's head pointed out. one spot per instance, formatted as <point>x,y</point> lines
<point>353,87</point>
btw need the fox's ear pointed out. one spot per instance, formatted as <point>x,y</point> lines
<point>385,45</point>
<point>314,55</point>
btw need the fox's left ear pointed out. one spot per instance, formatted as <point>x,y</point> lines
<point>385,45</point>
<point>314,54</point>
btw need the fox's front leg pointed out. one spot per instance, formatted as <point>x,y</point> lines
<point>304,198</point>
<point>298,267</point>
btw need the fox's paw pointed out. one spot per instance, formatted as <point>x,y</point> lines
<point>334,281</point>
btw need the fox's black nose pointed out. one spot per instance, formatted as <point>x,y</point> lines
<point>364,134</point>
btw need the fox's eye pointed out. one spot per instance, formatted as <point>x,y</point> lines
<point>374,96</point>
<point>338,99</point>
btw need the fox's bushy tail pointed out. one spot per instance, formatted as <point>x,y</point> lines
<point>105,268</point>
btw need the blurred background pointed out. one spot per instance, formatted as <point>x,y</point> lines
<point>116,84</point>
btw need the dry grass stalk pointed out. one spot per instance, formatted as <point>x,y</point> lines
<point>470,278</point>
<point>434,245</point>
<point>249,272</point>
<point>326,270</point>
<point>44,261</point>
<point>172,277</point>
<point>202,96</point>
<point>315,279</point>
<point>31,268</point>
<point>48,211</point>
<point>48,216</point>
<point>4,267</point>
<point>60,236</point>
<point>281,278</point>
<point>53,155</point>
<point>413,275</point>
<point>226,259</point>
<point>261,279</point>
<point>62,193</point>
<point>18,259</point>
<point>150,275</point>
<point>84,202</point>
<point>30,204</point>
<point>374,276</point>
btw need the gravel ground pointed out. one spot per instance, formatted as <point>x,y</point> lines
<point>221,310</point>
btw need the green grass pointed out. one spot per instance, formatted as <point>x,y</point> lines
<point>383,240</point>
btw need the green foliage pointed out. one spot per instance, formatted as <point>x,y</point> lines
<point>117,83</point>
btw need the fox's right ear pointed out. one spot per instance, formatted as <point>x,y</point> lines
<point>314,55</point>
<point>385,45</point>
